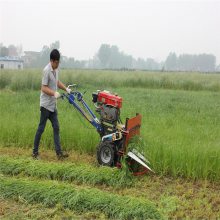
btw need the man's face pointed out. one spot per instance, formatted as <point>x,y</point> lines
<point>55,64</point>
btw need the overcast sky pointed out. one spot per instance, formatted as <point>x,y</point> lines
<point>141,28</point>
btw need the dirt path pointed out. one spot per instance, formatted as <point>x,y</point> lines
<point>48,155</point>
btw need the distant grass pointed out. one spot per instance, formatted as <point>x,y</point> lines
<point>103,79</point>
<point>66,172</point>
<point>78,199</point>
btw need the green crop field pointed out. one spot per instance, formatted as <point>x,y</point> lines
<point>180,136</point>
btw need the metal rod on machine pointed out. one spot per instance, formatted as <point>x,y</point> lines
<point>93,120</point>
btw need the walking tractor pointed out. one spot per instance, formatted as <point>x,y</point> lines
<point>114,135</point>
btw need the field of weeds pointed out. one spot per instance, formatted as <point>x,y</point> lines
<point>180,136</point>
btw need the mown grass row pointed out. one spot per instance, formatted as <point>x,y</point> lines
<point>78,199</point>
<point>80,173</point>
<point>103,79</point>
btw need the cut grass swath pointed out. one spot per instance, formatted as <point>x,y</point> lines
<point>66,172</point>
<point>78,199</point>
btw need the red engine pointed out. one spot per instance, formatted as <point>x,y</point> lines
<point>108,98</point>
<point>108,106</point>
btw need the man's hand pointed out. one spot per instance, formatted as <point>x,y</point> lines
<point>68,90</point>
<point>57,95</point>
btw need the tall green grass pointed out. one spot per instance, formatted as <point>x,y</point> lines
<point>103,79</point>
<point>180,128</point>
<point>66,172</point>
<point>78,199</point>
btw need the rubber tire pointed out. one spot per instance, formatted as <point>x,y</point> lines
<point>106,145</point>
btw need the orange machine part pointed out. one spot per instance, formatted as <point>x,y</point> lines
<point>132,128</point>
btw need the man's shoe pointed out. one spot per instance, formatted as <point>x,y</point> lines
<point>35,156</point>
<point>62,155</point>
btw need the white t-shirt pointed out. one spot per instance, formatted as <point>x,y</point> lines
<point>50,79</point>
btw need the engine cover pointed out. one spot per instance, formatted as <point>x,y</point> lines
<point>105,97</point>
<point>108,106</point>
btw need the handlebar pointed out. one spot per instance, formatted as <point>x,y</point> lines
<point>73,85</point>
<point>76,94</point>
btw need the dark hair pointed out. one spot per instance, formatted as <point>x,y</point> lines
<point>55,55</point>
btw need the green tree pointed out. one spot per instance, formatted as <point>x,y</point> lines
<point>104,54</point>
<point>171,62</point>
<point>45,53</point>
<point>12,51</point>
<point>4,51</point>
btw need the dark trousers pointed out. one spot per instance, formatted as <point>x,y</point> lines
<point>52,116</point>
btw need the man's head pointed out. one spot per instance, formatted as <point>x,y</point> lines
<point>55,58</point>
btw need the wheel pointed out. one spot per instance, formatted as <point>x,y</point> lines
<point>106,153</point>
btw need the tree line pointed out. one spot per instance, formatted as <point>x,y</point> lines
<point>189,62</point>
<point>110,57</point>
<point>10,51</point>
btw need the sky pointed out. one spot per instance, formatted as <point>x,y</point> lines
<point>141,28</point>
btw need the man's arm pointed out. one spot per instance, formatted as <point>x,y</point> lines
<point>61,85</point>
<point>47,90</point>
<point>50,92</point>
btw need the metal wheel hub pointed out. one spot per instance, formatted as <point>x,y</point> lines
<point>106,155</point>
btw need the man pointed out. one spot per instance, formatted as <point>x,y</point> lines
<point>48,97</point>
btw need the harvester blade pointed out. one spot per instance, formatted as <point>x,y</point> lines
<point>140,155</point>
<point>138,160</point>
